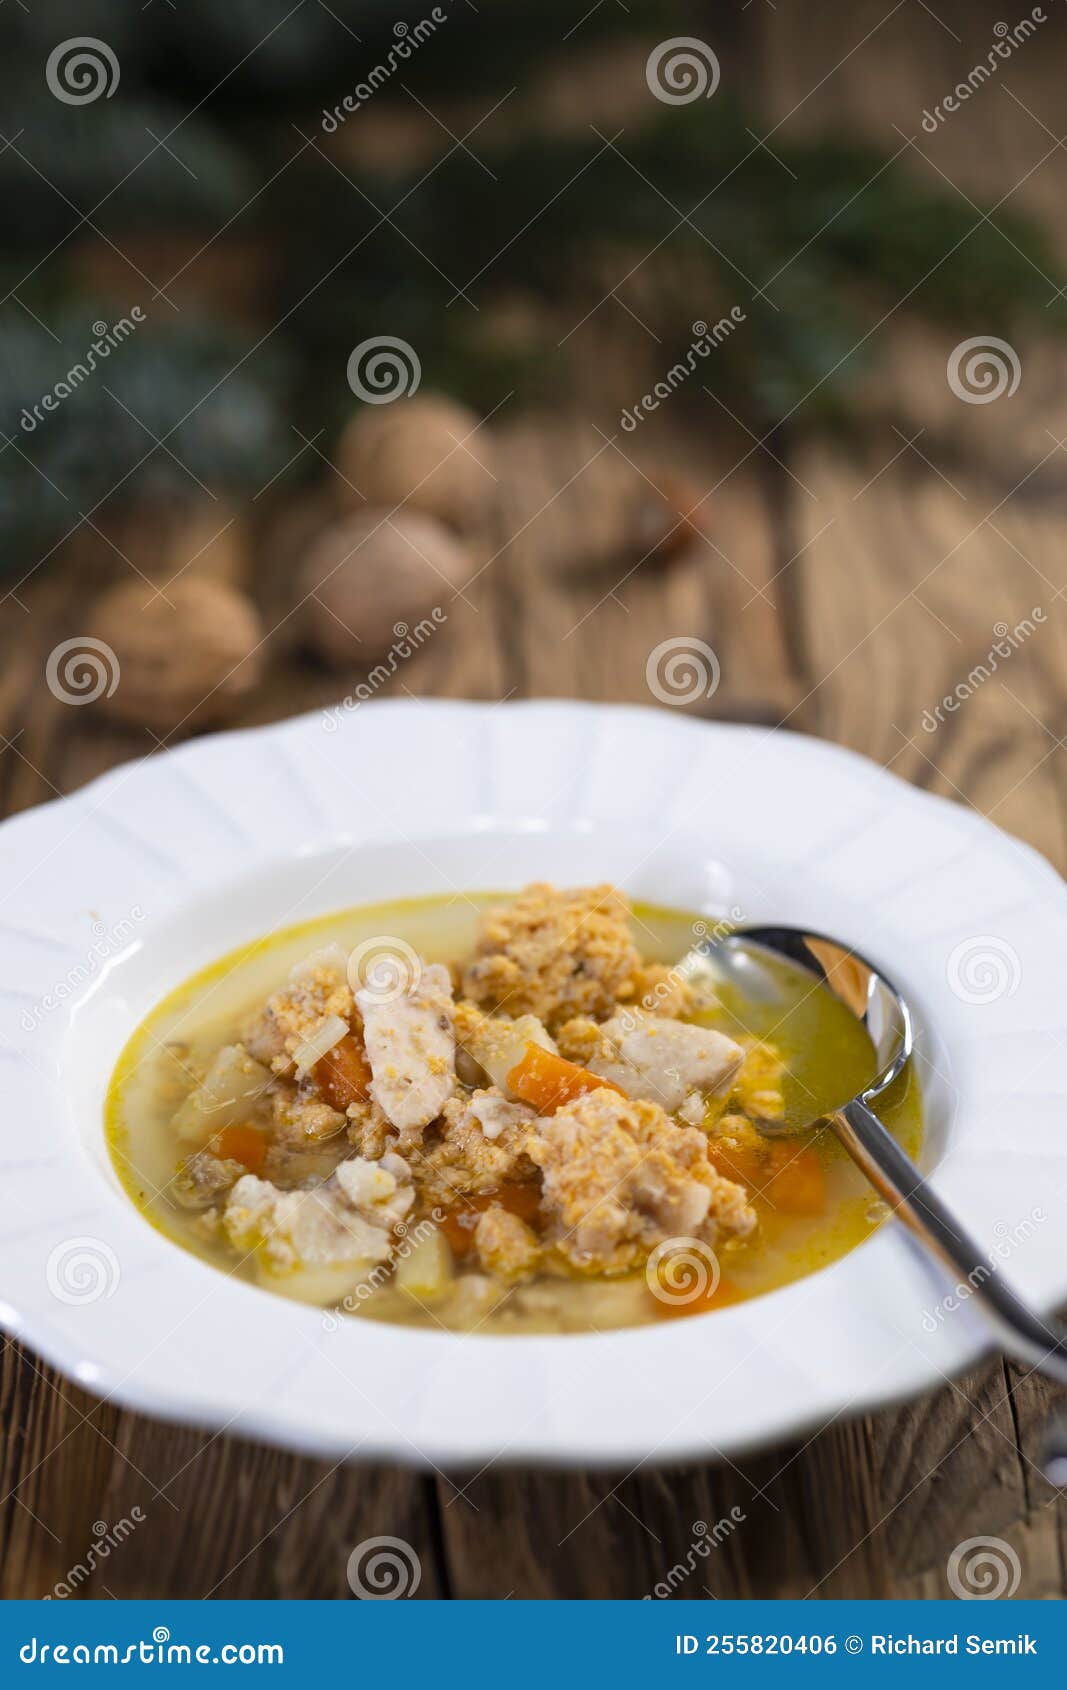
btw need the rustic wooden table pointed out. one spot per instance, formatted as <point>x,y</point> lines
<point>844,595</point>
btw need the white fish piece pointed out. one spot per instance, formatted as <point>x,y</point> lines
<point>316,1245</point>
<point>666,1061</point>
<point>411,1046</point>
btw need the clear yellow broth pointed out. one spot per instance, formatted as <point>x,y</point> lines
<point>828,1057</point>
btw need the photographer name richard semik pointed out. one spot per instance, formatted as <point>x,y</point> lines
<point>909,1644</point>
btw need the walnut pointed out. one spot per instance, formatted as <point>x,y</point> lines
<point>187,655</point>
<point>373,580</point>
<point>668,516</point>
<point>428,454</point>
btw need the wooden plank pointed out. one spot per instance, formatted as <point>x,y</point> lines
<point>53,1469</point>
<point>584,603</point>
<point>907,591</point>
<point>195,1513</point>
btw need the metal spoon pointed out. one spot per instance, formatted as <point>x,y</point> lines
<point>736,959</point>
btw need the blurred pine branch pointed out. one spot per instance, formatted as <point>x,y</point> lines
<point>214,136</point>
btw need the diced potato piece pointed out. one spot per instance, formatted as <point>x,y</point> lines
<point>524,1030</point>
<point>493,1044</point>
<point>426,1273</point>
<point>320,1243</point>
<point>233,1083</point>
<point>321,1283</point>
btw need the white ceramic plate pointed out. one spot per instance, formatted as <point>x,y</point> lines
<point>113,896</point>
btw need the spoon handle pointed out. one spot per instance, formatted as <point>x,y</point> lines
<point>896,1178</point>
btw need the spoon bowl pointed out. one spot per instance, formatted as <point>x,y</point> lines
<point>736,958</point>
<point>855,981</point>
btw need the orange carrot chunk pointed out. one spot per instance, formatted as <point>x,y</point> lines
<point>786,1177</point>
<point>740,1162</point>
<point>458,1226</point>
<point>796,1184</point>
<point>548,1081</point>
<point>244,1144</point>
<point>343,1075</point>
<point>458,1222</point>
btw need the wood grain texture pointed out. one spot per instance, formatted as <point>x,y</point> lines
<point>845,594</point>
